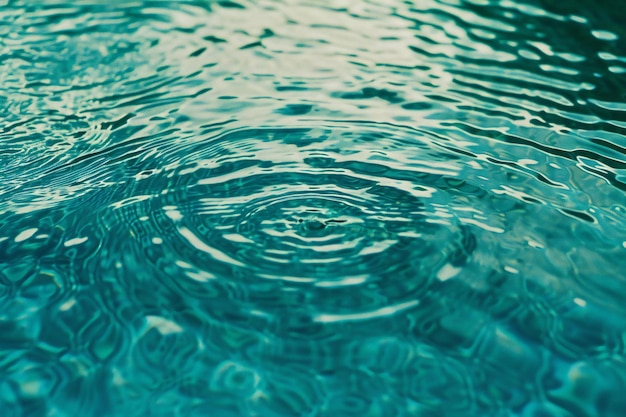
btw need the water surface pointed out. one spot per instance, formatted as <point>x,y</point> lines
<point>313,208</point>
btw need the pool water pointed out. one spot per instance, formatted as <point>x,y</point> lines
<point>313,208</point>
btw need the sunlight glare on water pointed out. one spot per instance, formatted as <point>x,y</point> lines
<point>313,208</point>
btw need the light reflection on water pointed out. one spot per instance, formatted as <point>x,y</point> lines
<point>324,208</point>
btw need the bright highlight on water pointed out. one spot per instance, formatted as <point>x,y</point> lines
<point>313,208</point>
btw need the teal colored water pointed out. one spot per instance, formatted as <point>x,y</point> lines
<point>313,208</point>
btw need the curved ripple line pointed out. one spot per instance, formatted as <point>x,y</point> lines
<point>379,313</point>
<point>198,244</point>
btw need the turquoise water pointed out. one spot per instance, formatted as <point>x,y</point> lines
<point>313,208</point>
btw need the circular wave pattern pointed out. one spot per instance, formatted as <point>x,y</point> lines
<point>330,208</point>
<point>273,208</point>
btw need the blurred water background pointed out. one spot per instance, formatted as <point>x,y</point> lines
<point>313,208</point>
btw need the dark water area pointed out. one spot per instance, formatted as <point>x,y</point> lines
<point>313,208</point>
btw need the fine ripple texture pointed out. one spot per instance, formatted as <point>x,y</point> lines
<point>313,208</point>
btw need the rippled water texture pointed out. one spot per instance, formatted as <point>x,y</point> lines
<point>313,208</point>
